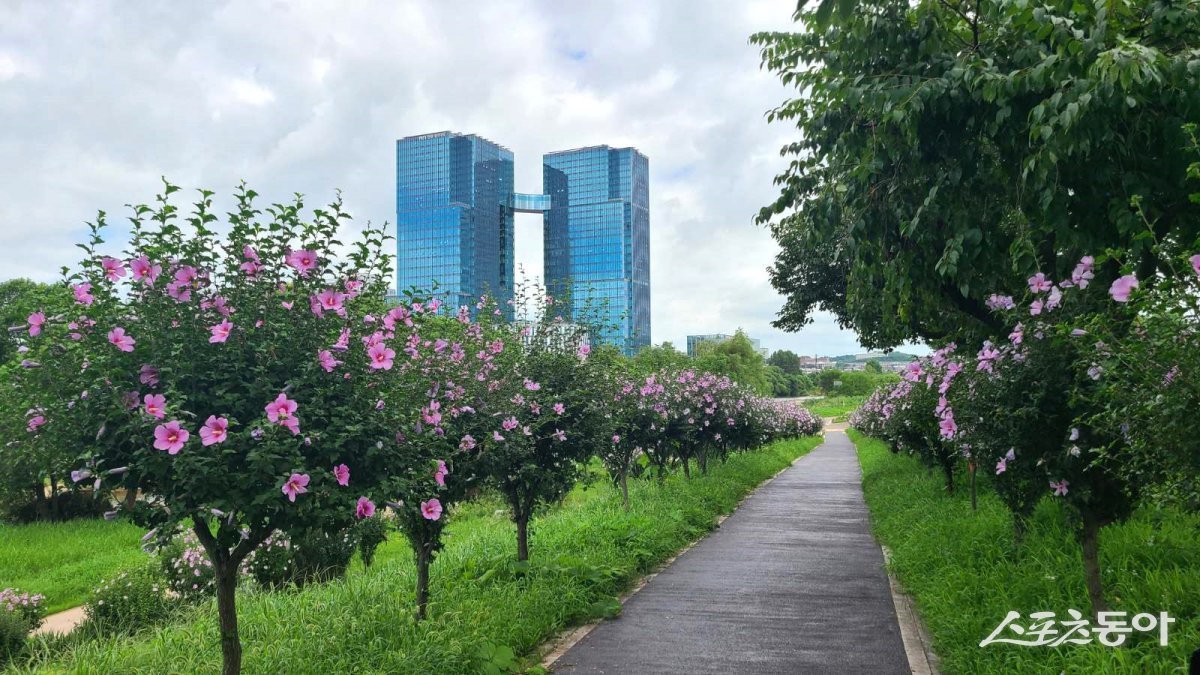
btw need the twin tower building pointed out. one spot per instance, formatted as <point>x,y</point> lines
<point>455,204</point>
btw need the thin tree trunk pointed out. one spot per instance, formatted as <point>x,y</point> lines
<point>948,470</point>
<point>1020,525</point>
<point>625,490</point>
<point>974,500</point>
<point>422,555</point>
<point>522,537</point>
<point>131,497</point>
<point>702,460</point>
<point>231,645</point>
<point>40,507</point>
<point>1090,540</point>
<point>687,468</point>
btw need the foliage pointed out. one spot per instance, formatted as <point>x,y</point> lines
<point>852,382</point>
<point>20,614</point>
<point>735,358</point>
<point>132,600</point>
<point>588,550</point>
<point>962,569</point>
<point>370,534</point>
<point>948,150</point>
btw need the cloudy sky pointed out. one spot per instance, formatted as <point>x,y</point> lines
<point>99,99</point>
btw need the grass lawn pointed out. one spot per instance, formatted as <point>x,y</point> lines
<point>966,574</point>
<point>837,407</point>
<point>65,561</point>
<point>581,556</point>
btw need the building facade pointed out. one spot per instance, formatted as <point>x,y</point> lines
<point>597,240</point>
<point>454,217</point>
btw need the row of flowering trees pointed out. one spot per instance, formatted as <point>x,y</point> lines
<point>253,380</point>
<point>1091,398</point>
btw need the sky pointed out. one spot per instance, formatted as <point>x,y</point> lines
<point>98,100</point>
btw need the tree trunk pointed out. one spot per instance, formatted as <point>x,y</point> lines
<point>1090,540</point>
<point>1019,528</point>
<point>231,645</point>
<point>702,460</point>
<point>625,490</point>
<point>687,468</point>
<point>522,536</point>
<point>40,507</point>
<point>423,559</point>
<point>131,497</point>
<point>948,470</point>
<point>974,499</point>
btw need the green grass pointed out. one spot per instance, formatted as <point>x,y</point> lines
<point>965,573</point>
<point>837,407</point>
<point>582,555</point>
<point>65,561</point>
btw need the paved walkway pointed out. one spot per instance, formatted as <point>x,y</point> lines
<point>792,582</point>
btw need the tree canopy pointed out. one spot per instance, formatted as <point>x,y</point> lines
<point>949,149</point>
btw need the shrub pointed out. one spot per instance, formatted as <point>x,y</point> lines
<point>186,568</point>
<point>20,614</point>
<point>132,600</point>
<point>371,533</point>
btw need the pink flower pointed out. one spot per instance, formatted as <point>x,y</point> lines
<point>1001,466</point>
<point>36,321</point>
<point>143,270</point>
<point>83,293</point>
<point>948,427</point>
<point>1195,260</point>
<point>467,443</point>
<point>249,253</point>
<point>296,484</point>
<point>342,473</point>
<point>616,439</point>
<point>558,408</point>
<point>220,332</point>
<point>282,411</point>
<point>995,302</point>
<point>113,269</point>
<point>365,508</point>
<point>559,435</point>
<point>432,509</point>
<point>1083,272</point>
<point>510,423</point>
<point>35,422</point>
<point>120,340</point>
<point>439,475</point>
<point>302,261</point>
<point>330,300</point>
<point>178,291</point>
<point>1060,488</point>
<point>170,437</point>
<point>531,385</point>
<point>148,375</point>
<point>381,356</point>
<point>583,351</point>
<point>215,430</point>
<point>325,357</point>
<point>1038,283</point>
<point>1035,307</point>
<point>156,405</point>
<point>1121,288</point>
<point>497,437</point>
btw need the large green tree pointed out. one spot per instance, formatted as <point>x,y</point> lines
<point>947,149</point>
<point>18,299</point>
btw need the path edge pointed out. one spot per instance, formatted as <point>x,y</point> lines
<point>565,640</point>
<point>918,647</point>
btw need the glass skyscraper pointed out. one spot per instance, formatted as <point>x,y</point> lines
<point>597,239</point>
<point>454,217</point>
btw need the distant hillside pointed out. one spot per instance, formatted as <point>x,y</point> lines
<point>894,356</point>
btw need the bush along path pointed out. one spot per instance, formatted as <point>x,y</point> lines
<point>793,582</point>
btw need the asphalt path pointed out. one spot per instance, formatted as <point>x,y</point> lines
<point>792,582</point>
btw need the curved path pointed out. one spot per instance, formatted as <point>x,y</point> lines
<point>792,582</point>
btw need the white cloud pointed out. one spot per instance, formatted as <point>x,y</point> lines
<point>311,97</point>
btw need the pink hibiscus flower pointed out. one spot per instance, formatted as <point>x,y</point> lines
<point>342,473</point>
<point>113,269</point>
<point>1195,260</point>
<point>1122,287</point>
<point>215,430</point>
<point>220,332</point>
<point>296,484</point>
<point>155,405</point>
<point>83,293</point>
<point>143,270</point>
<point>432,509</point>
<point>325,358</point>
<point>1060,487</point>
<point>170,437</point>
<point>381,356</point>
<point>1038,283</point>
<point>120,340</point>
<point>35,422</point>
<point>36,321</point>
<point>302,261</point>
<point>365,508</point>
<point>439,475</point>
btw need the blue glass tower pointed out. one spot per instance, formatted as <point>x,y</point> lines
<point>454,217</point>
<point>597,239</point>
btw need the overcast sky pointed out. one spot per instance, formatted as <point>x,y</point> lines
<point>98,99</point>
